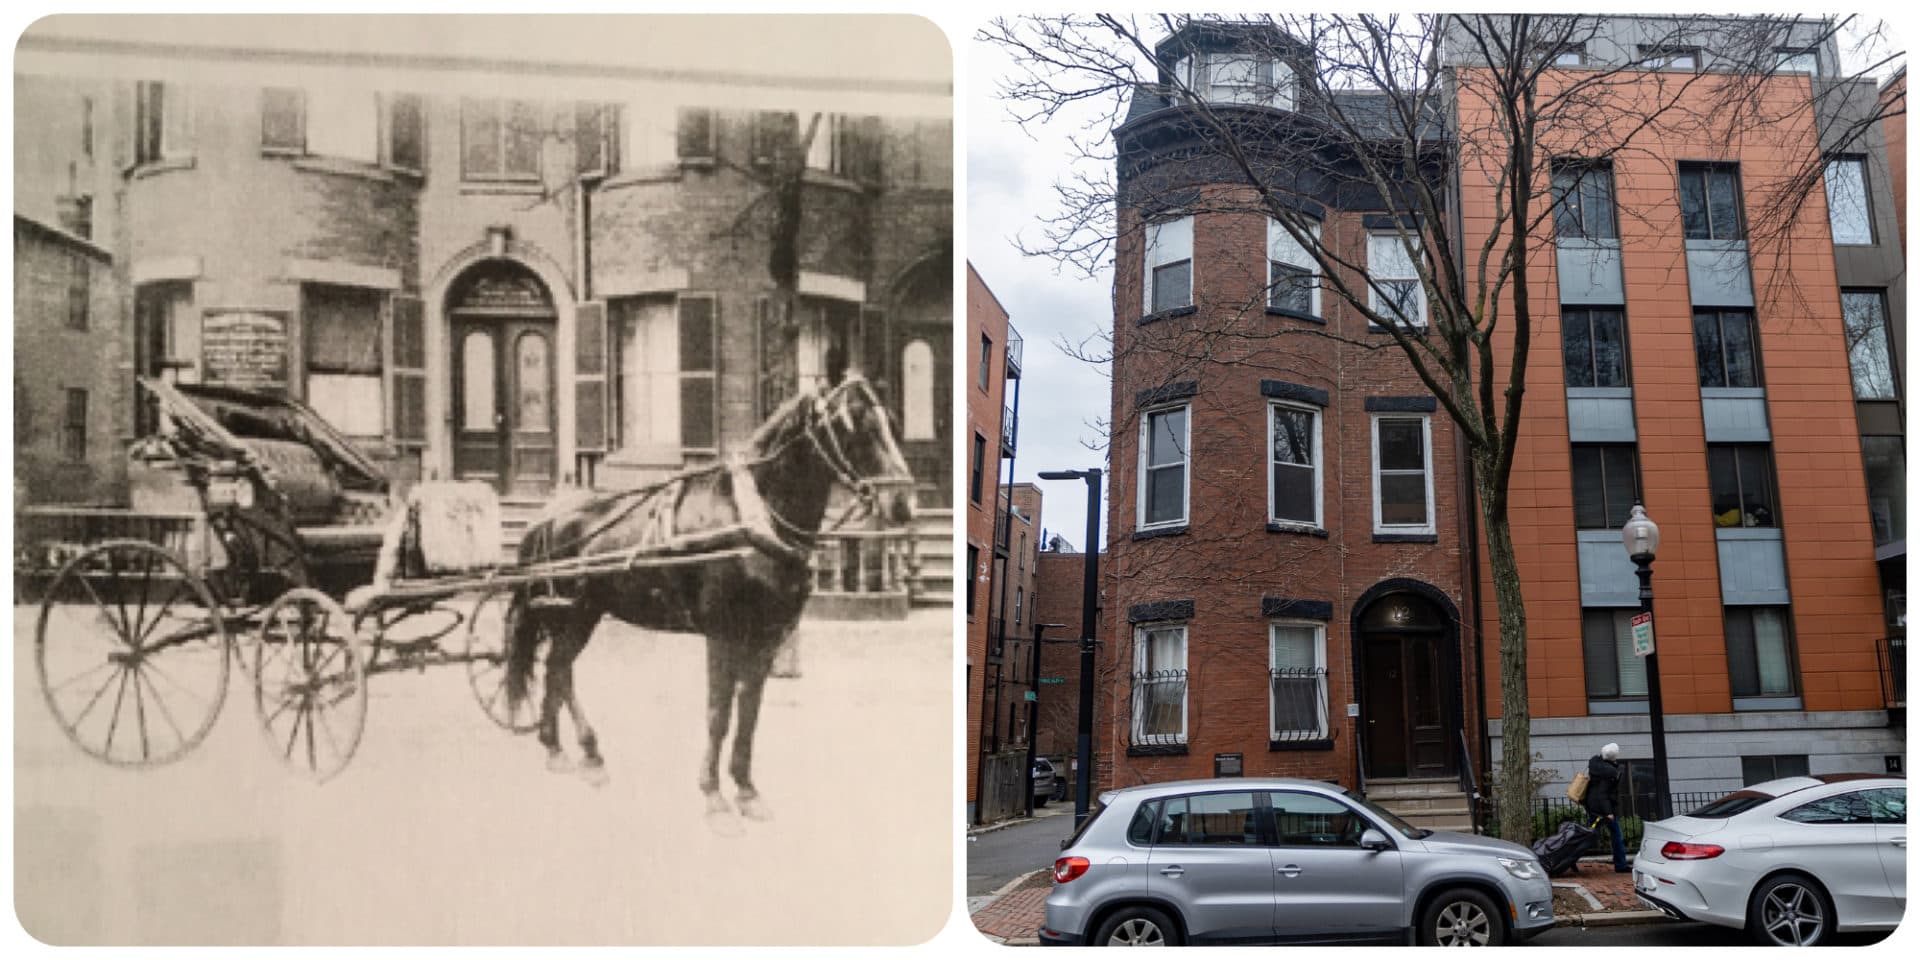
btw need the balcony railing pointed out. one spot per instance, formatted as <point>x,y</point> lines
<point>1159,708</point>
<point>1893,671</point>
<point>1009,430</point>
<point>1299,704</point>
<point>1015,347</point>
<point>863,562</point>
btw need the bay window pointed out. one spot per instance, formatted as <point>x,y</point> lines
<point>1169,264</point>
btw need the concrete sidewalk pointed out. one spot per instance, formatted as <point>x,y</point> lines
<point>1592,895</point>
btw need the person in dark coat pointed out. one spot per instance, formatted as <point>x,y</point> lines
<point>1602,799</point>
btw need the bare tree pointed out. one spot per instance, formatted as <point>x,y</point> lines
<point>1431,120</point>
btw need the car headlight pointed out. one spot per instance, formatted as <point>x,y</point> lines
<point>1522,869</point>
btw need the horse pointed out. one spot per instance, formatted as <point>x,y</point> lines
<point>746,604</point>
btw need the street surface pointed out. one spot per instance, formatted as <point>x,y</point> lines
<point>446,829</point>
<point>1669,933</point>
<point>995,859</point>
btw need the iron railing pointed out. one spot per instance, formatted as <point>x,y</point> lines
<point>867,562</point>
<point>1550,812</point>
<point>1299,698</point>
<point>1159,708</point>
<point>1468,783</point>
<point>1016,347</point>
<point>1893,670</point>
<point>1009,430</point>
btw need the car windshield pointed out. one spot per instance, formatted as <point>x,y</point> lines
<point>1393,820</point>
<point>1731,804</point>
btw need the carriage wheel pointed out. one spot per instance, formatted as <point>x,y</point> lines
<point>132,651</point>
<point>310,683</point>
<point>486,657</point>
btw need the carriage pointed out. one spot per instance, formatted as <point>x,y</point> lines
<point>260,538</point>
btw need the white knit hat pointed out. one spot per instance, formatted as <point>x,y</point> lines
<point>1610,752</point>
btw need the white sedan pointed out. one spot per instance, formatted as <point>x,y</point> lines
<point>1791,861</point>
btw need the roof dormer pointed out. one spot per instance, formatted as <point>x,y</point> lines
<point>1239,63</point>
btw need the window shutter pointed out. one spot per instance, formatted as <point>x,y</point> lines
<point>590,376</point>
<point>590,139</point>
<point>696,135</point>
<point>699,362</point>
<point>863,143</point>
<point>770,131</point>
<point>409,370</point>
<point>283,123</point>
<point>406,133</point>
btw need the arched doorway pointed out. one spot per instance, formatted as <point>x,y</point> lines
<point>501,322</point>
<point>1407,648</point>
<point>920,306</point>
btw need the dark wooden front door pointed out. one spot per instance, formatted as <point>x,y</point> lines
<point>503,404</point>
<point>1405,707</point>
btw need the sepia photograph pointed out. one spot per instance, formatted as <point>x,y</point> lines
<point>483,480</point>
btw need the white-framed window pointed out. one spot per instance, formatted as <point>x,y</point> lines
<point>1159,684</point>
<point>649,135</point>
<point>1164,461</point>
<point>1293,280</point>
<point>1796,60</point>
<point>163,122</point>
<point>1402,473</point>
<point>664,375</point>
<point>344,357</point>
<point>1293,465</point>
<point>1169,264</point>
<point>1394,290</point>
<point>1297,691</point>
<point>1244,77</point>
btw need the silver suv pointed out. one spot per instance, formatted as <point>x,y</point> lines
<point>1259,861</point>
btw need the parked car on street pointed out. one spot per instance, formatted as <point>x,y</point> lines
<point>1791,861</point>
<point>1044,781</point>
<point>1279,860</point>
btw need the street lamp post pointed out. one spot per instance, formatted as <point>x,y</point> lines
<point>1033,710</point>
<point>1642,538</point>
<point>1089,600</point>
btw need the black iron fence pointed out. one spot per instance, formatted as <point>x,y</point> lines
<point>1299,704</point>
<point>1893,670</point>
<point>1159,708</point>
<point>1550,812</point>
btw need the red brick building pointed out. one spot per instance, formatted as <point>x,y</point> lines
<point>1285,533</point>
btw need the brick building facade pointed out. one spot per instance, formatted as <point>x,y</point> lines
<point>1253,596</point>
<point>539,292</point>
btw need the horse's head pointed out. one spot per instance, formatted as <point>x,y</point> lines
<point>856,431</point>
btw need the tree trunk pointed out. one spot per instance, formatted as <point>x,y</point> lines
<point>1514,783</point>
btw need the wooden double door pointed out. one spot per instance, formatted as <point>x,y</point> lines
<point>504,421</point>
<point>1405,707</point>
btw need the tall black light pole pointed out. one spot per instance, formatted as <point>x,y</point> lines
<point>1089,599</point>
<point>1033,710</point>
<point>1642,538</point>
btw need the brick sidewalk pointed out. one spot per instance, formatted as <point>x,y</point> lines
<point>1613,890</point>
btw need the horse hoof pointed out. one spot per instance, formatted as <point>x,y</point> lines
<point>558,763</point>
<point>725,825</point>
<point>755,809</point>
<point>594,772</point>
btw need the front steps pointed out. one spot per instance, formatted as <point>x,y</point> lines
<point>1436,803</point>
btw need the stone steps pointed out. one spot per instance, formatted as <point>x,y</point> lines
<point>1435,803</point>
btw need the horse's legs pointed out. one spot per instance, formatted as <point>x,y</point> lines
<point>593,767</point>
<point>559,673</point>
<point>720,682</point>
<point>756,652</point>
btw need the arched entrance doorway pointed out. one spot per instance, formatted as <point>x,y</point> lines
<point>921,309</point>
<point>1407,649</point>
<point>501,322</point>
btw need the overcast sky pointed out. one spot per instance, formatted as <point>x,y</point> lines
<point>1010,178</point>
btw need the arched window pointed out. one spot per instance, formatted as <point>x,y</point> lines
<point>916,378</point>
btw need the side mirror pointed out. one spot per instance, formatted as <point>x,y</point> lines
<point>1375,840</point>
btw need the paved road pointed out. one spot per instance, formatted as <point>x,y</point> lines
<point>447,830</point>
<point>995,858</point>
<point>1667,934</point>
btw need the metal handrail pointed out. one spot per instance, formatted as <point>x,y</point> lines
<point>1468,782</point>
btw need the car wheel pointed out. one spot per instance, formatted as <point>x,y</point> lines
<point>1137,927</point>
<point>1790,910</point>
<point>1041,800</point>
<point>1462,918</point>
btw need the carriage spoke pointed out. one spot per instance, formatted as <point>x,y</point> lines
<point>82,675</point>
<point>293,732</point>
<point>105,610</point>
<point>97,694</point>
<point>177,685</point>
<point>140,712</point>
<point>161,703</point>
<point>159,615</point>
<point>113,725</point>
<point>327,728</point>
<point>140,615</point>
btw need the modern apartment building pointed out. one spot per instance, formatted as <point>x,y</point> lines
<point>1297,585</point>
<point>1732,369</point>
